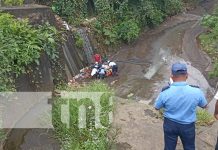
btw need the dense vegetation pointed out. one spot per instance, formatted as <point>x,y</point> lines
<point>21,45</point>
<point>89,138</point>
<point>117,20</point>
<point>209,39</point>
<point>12,2</point>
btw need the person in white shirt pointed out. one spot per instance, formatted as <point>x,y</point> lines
<point>114,67</point>
<point>106,66</point>
<point>94,72</point>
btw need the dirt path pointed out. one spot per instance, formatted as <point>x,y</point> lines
<point>174,40</point>
<point>191,49</point>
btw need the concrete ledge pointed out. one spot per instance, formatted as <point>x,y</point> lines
<point>37,14</point>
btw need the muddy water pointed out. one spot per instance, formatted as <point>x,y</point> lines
<point>163,47</point>
<point>158,50</point>
<point>41,140</point>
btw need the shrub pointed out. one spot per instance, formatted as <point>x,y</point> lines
<point>204,118</point>
<point>21,45</point>
<point>13,2</point>
<point>107,34</point>
<point>71,10</point>
<point>3,135</point>
<point>105,12</point>
<point>78,41</point>
<point>149,14</point>
<point>215,72</point>
<point>128,30</point>
<point>209,39</point>
<point>172,7</point>
<point>210,21</point>
<point>110,36</point>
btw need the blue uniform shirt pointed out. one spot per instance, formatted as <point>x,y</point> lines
<point>180,101</point>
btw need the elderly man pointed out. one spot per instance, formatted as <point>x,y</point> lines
<point>216,114</point>
<point>179,101</point>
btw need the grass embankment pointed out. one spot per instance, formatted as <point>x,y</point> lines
<point>204,118</point>
<point>209,42</point>
<point>209,39</point>
<point>90,137</point>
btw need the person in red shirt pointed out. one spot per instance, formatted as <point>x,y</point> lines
<point>97,58</point>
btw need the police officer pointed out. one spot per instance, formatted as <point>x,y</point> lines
<point>216,114</point>
<point>180,101</point>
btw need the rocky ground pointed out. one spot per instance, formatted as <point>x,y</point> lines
<point>138,128</point>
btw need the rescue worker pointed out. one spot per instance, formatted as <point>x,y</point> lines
<point>180,101</point>
<point>94,72</point>
<point>97,58</point>
<point>114,67</point>
<point>216,114</point>
<point>105,66</point>
<point>101,73</point>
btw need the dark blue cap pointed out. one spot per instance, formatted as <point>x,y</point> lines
<point>179,69</point>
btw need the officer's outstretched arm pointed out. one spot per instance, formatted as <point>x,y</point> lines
<point>202,101</point>
<point>159,102</point>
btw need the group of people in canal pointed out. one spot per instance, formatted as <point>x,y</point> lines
<point>103,68</point>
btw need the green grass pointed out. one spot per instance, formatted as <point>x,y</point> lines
<point>2,135</point>
<point>13,2</point>
<point>204,118</point>
<point>89,138</point>
<point>209,40</point>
